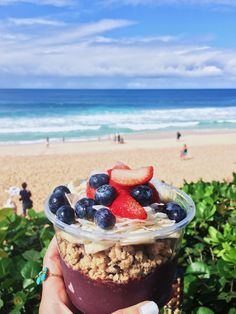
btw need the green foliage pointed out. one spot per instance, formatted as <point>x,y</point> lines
<point>23,242</point>
<point>208,253</point>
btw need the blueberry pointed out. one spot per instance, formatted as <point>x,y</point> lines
<point>66,214</point>
<point>104,218</point>
<point>142,194</point>
<point>57,200</point>
<point>175,212</point>
<point>158,207</point>
<point>61,188</point>
<point>105,195</point>
<point>91,213</point>
<point>82,205</point>
<point>97,180</point>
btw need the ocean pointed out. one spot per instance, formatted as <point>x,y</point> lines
<point>28,115</point>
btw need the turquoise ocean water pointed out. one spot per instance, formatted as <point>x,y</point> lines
<point>32,115</point>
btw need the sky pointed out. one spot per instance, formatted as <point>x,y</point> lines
<point>133,44</point>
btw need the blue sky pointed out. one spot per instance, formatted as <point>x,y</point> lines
<point>118,43</point>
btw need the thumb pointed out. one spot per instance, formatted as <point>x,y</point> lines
<point>146,307</point>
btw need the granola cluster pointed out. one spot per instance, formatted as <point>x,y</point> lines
<point>117,263</point>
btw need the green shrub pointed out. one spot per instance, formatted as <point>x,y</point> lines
<point>24,245</point>
<point>208,253</point>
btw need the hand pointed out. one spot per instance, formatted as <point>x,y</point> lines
<point>55,299</point>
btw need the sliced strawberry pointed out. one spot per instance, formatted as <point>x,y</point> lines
<point>89,191</point>
<point>128,177</point>
<point>156,197</point>
<point>119,188</point>
<point>125,206</point>
<point>120,165</point>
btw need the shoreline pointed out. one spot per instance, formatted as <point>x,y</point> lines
<point>147,139</point>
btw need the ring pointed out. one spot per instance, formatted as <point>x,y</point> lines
<point>44,274</point>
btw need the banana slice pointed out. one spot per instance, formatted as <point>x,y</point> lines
<point>95,247</point>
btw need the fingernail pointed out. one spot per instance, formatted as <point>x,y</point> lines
<point>149,308</point>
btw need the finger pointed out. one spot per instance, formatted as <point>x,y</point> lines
<point>51,258</point>
<point>146,307</point>
<point>54,284</point>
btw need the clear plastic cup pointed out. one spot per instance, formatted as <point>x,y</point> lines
<point>104,272</point>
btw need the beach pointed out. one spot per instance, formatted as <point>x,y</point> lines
<point>211,156</point>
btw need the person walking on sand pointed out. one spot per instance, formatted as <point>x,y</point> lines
<point>184,152</point>
<point>118,138</point>
<point>25,198</point>
<point>47,142</point>
<point>178,136</point>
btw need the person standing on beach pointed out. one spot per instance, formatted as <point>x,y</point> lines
<point>47,142</point>
<point>184,152</point>
<point>178,136</point>
<point>118,138</point>
<point>25,198</point>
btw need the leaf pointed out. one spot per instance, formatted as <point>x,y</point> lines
<point>199,268</point>
<point>203,310</point>
<point>230,255</point>
<point>1,303</point>
<point>188,280</point>
<point>224,270</point>
<point>19,299</point>
<point>3,234</point>
<point>3,253</point>
<point>7,283</point>
<point>32,213</point>
<point>31,255</point>
<point>30,270</point>
<point>46,234</point>
<point>27,283</point>
<point>227,296</point>
<point>5,212</point>
<point>15,311</point>
<point>213,234</point>
<point>232,311</point>
<point>4,266</point>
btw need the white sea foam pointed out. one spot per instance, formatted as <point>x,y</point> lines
<point>133,120</point>
<point>156,126</point>
<point>47,129</point>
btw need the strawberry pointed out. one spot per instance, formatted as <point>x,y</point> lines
<point>90,192</point>
<point>120,165</point>
<point>125,206</point>
<point>131,177</point>
<point>120,189</point>
<point>156,197</point>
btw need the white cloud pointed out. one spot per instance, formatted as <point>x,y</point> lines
<point>76,33</point>
<point>84,52</point>
<point>34,21</point>
<point>56,3</point>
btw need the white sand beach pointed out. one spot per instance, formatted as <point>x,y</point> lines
<point>211,156</point>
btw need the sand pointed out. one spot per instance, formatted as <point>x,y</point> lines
<point>212,156</point>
